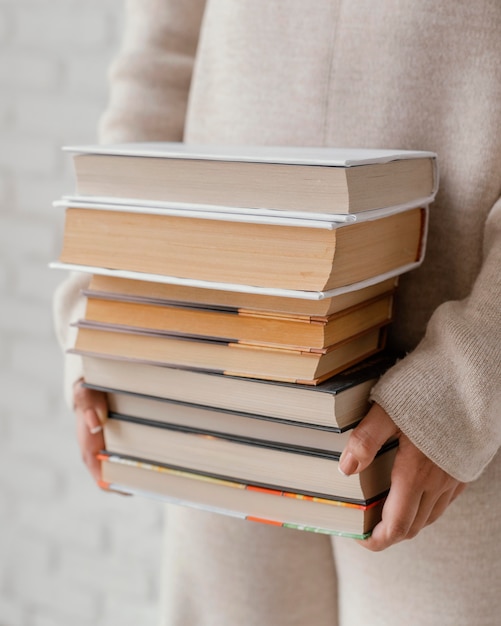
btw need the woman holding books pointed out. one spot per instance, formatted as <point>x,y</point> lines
<point>391,74</point>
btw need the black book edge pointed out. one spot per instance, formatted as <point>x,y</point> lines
<point>203,407</point>
<point>248,441</point>
<point>371,367</point>
<point>268,486</point>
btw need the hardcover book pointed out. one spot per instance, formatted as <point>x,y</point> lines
<point>266,464</point>
<point>308,366</point>
<point>336,404</point>
<point>195,418</point>
<point>297,180</point>
<point>239,325</point>
<point>110,286</point>
<point>287,509</point>
<point>278,254</point>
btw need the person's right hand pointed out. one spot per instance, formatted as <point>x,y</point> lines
<point>420,490</point>
<point>91,409</point>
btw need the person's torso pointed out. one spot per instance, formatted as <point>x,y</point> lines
<point>394,74</point>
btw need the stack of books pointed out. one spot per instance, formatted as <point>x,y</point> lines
<point>237,315</point>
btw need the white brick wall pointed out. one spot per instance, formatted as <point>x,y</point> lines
<point>69,553</point>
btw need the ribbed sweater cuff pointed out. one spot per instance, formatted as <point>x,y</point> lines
<point>421,395</point>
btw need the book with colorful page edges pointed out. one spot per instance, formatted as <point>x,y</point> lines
<point>244,501</point>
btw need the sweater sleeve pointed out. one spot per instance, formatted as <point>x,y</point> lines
<point>150,77</point>
<point>446,394</point>
<point>149,85</point>
<point>69,306</point>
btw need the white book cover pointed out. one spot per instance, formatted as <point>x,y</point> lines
<point>207,212</point>
<point>295,155</point>
<point>284,155</point>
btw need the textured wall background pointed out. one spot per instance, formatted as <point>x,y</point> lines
<point>69,554</point>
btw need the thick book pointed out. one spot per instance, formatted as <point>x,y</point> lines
<point>309,180</point>
<point>240,359</point>
<point>188,417</point>
<point>247,326</point>
<point>245,501</point>
<point>336,404</point>
<point>314,472</point>
<point>284,254</point>
<point>159,293</point>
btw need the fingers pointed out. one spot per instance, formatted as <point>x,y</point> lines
<point>365,440</point>
<point>85,399</point>
<point>90,446</point>
<point>420,493</point>
<point>405,511</point>
<point>399,523</point>
<point>443,502</point>
<point>91,411</point>
<point>92,421</point>
<point>420,490</point>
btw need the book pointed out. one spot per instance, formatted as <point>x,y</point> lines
<point>245,501</point>
<point>313,472</point>
<point>281,254</point>
<point>188,417</point>
<point>302,180</point>
<point>110,286</point>
<point>249,360</point>
<point>337,404</point>
<point>247,326</point>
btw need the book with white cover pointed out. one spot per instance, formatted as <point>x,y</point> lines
<point>274,220</point>
<point>316,182</point>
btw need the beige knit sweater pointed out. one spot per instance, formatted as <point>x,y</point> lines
<point>393,74</point>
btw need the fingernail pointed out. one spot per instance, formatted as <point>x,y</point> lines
<point>348,464</point>
<point>95,430</point>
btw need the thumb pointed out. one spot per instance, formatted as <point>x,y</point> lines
<point>366,439</point>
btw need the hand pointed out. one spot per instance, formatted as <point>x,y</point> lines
<point>420,490</point>
<point>91,410</point>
